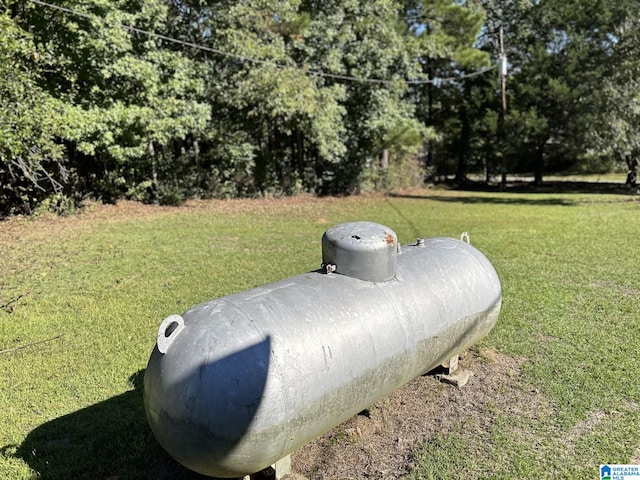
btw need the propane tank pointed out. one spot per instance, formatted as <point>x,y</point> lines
<point>237,383</point>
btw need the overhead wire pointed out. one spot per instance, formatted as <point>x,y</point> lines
<point>319,73</point>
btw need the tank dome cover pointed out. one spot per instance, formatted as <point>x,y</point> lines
<point>362,250</point>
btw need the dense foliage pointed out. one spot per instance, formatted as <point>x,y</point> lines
<point>281,96</point>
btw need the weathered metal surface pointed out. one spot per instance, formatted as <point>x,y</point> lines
<point>237,383</point>
<point>362,250</point>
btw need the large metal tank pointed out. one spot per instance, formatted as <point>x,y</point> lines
<point>237,383</point>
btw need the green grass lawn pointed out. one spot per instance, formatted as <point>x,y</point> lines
<point>93,288</point>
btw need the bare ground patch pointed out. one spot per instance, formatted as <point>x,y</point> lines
<point>380,443</point>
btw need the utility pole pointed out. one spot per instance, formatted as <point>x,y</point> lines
<point>503,111</point>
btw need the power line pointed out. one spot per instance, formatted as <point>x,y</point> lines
<point>319,73</point>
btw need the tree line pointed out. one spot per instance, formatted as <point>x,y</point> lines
<point>164,100</point>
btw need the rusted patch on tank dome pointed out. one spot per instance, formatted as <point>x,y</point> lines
<point>390,239</point>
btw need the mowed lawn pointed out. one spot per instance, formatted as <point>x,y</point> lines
<point>82,297</point>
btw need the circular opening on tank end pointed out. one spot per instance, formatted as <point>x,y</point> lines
<point>170,329</point>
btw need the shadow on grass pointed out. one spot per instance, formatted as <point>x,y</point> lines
<point>497,200</point>
<point>110,441</point>
<point>566,186</point>
<point>546,188</point>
